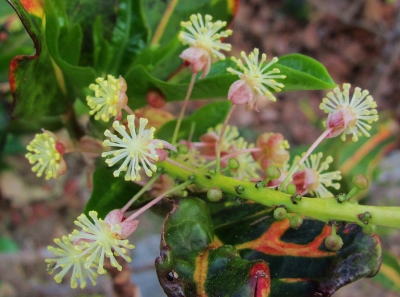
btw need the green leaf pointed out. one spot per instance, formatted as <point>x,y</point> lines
<point>203,268</point>
<point>46,83</point>
<point>109,192</point>
<point>140,81</point>
<point>389,273</point>
<point>303,73</point>
<point>215,114</point>
<point>222,256</point>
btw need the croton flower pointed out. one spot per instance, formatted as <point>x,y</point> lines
<point>349,116</point>
<point>47,153</point>
<point>256,78</point>
<point>273,150</point>
<point>103,238</point>
<point>109,98</point>
<point>137,149</point>
<point>311,179</point>
<point>204,41</point>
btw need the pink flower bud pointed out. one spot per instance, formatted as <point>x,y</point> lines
<point>155,99</point>
<point>198,59</point>
<point>340,120</point>
<point>273,150</point>
<point>305,181</point>
<point>116,216</point>
<point>240,92</point>
<point>62,167</point>
<point>60,147</point>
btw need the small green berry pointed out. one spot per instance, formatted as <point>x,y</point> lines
<point>360,181</point>
<point>273,172</point>
<point>291,189</point>
<point>341,198</point>
<point>334,242</point>
<point>214,194</point>
<point>182,149</point>
<point>280,214</point>
<point>295,221</point>
<point>239,189</point>
<point>369,229</point>
<point>233,163</point>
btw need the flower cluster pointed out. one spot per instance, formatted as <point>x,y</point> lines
<point>204,42</point>
<point>85,250</point>
<point>47,155</point>
<point>109,98</point>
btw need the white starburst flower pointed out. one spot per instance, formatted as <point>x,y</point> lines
<point>69,256</point>
<point>109,97</point>
<point>99,240</point>
<point>203,34</point>
<point>256,76</point>
<point>349,116</point>
<point>137,149</point>
<point>47,153</point>
<point>311,179</point>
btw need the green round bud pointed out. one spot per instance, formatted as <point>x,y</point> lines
<point>233,163</point>
<point>360,181</point>
<point>280,214</point>
<point>273,172</point>
<point>182,149</point>
<point>369,229</point>
<point>214,194</point>
<point>341,197</point>
<point>334,242</point>
<point>291,189</point>
<point>259,184</point>
<point>239,189</point>
<point>295,221</point>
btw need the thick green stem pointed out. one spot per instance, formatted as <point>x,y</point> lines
<point>323,209</point>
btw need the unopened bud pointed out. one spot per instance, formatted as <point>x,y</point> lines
<point>273,172</point>
<point>334,242</point>
<point>214,194</point>
<point>369,229</point>
<point>183,149</point>
<point>295,221</point>
<point>155,99</point>
<point>291,189</point>
<point>280,214</point>
<point>360,181</point>
<point>233,163</point>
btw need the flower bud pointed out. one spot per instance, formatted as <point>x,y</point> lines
<point>240,92</point>
<point>116,216</point>
<point>369,229</point>
<point>214,194</point>
<point>155,99</point>
<point>295,221</point>
<point>360,181</point>
<point>197,59</point>
<point>334,242</point>
<point>280,214</point>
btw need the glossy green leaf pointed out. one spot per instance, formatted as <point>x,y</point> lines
<point>214,112</point>
<point>192,264</point>
<point>303,73</point>
<point>140,81</point>
<point>219,255</point>
<point>109,192</point>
